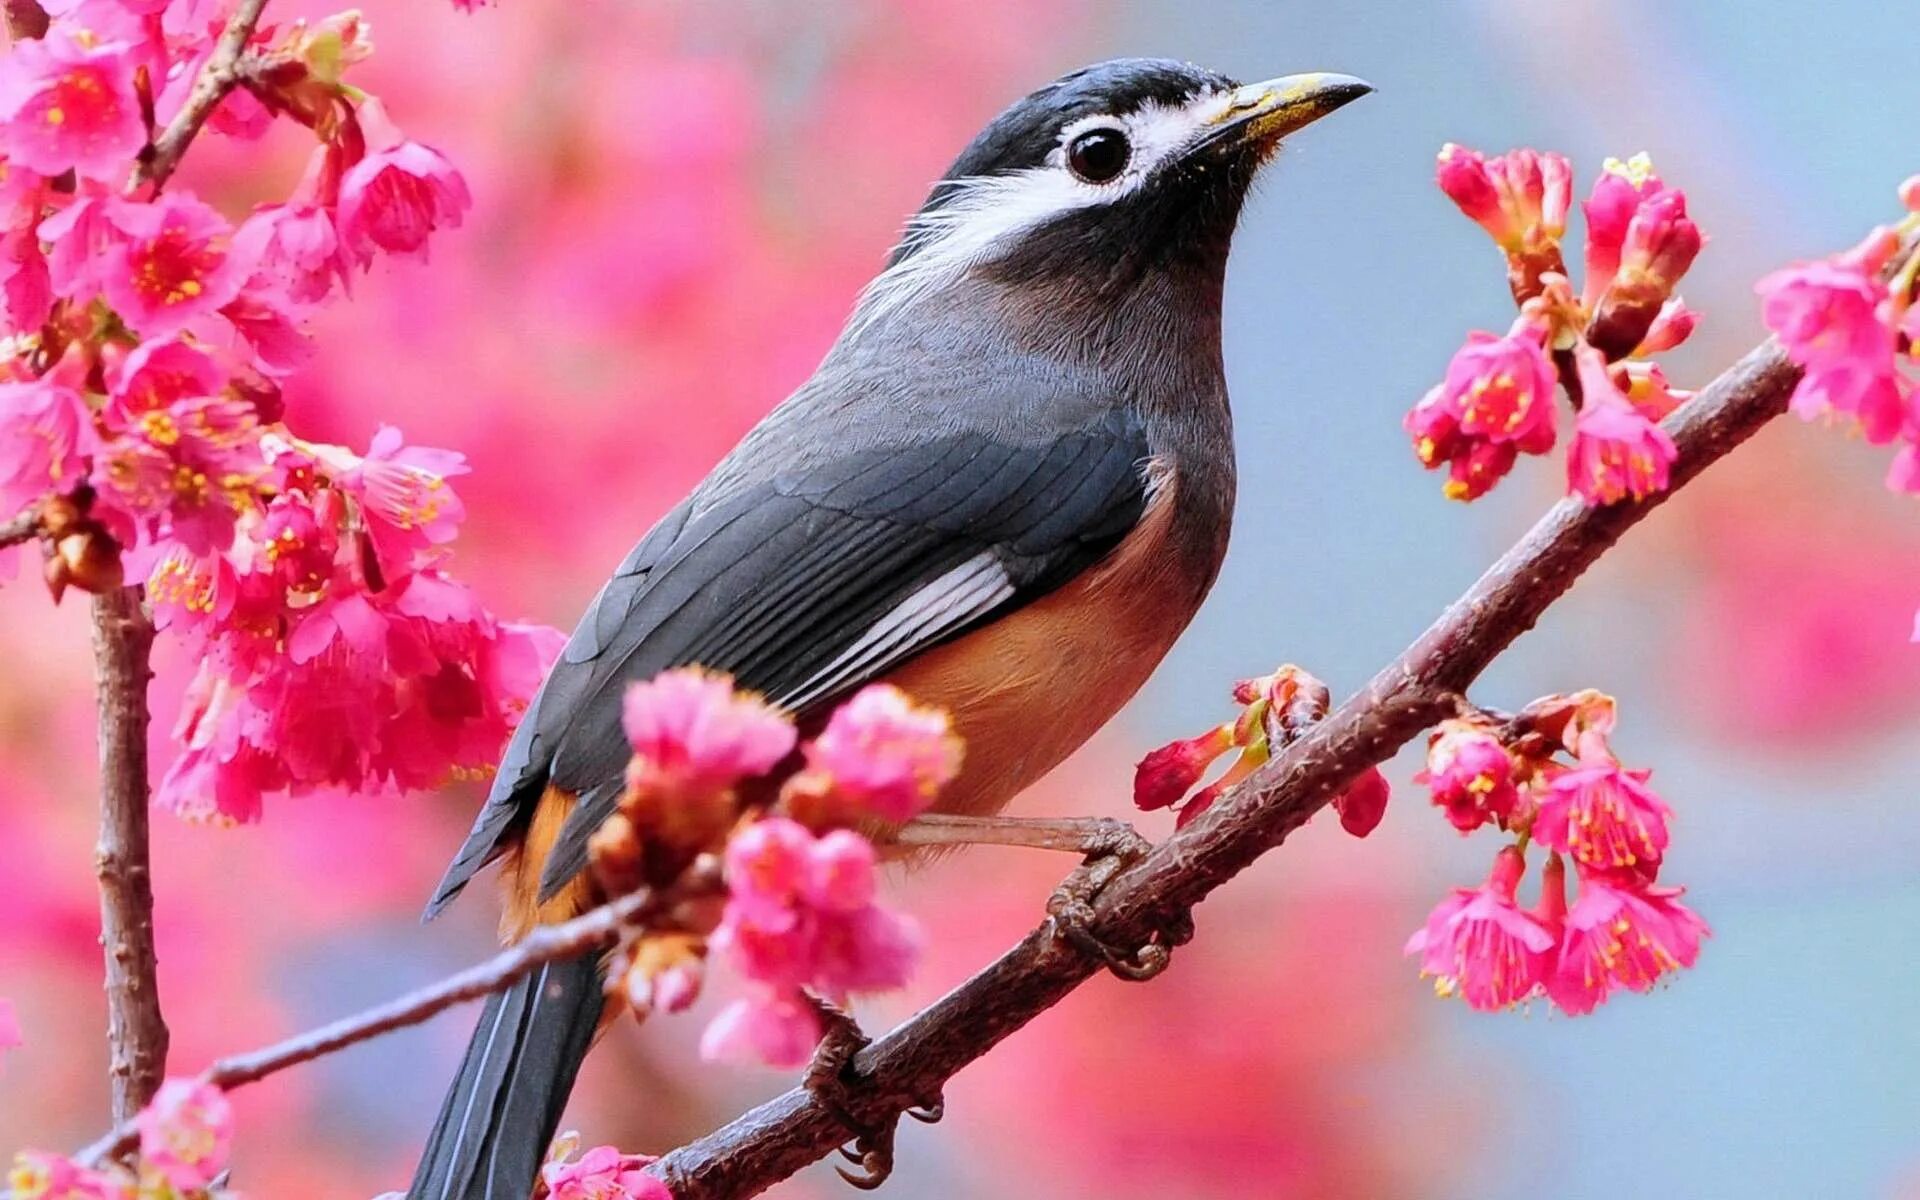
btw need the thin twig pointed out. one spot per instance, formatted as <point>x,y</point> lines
<point>914,1061</point>
<point>596,930</point>
<point>221,74</point>
<point>136,1031</point>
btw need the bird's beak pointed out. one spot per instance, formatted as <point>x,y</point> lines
<point>1263,113</point>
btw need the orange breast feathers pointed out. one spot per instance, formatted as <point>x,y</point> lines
<point>1029,689</point>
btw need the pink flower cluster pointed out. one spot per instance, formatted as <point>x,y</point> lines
<point>1857,335</point>
<point>1623,932</point>
<point>800,913</point>
<point>141,412</point>
<point>602,1173</point>
<point>186,1136</point>
<point>1499,398</point>
<point>1275,709</point>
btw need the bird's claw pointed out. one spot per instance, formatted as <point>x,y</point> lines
<point>1070,910</point>
<point>832,1080</point>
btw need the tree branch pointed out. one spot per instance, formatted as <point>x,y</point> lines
<point>221,74</point>
<point>136,1031</point>
<point>911,1064</point>
<point>596,930</point>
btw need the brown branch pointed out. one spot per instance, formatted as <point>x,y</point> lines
<point>596,930</point>
<point>222,73</point>
<point>910,1065</point>
<point>136,1031</point>
<point>25,19</point>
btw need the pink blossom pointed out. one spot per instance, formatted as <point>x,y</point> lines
<point>1505,387</point>
<point>189,468</point>
<point>1617,452</point>
<point>46,432</point>
<point>885,753</point>
<point>767,865</point>
<point>160,372</point>
<point>1647,388</point>
<point>1478,944</point>
<point>404,492</point>
<point>68,103</point>
<point>1621,934</point>
<point>82,240</point>
<point>1604,817</point>
<point>1661,242</point>
<point>1471,775</point>
<point>779,1029</point>
<point>1364,803</point>
<point>36,1175</point>
<point>1909,193</point>
<point>839,871</point>
<point>693,733</point>
<point>867,949</point>
<point>174,264</point>
<point>186,1133</point>
<point>1827,314</point>
<point>296,246</point>
<point>603,1173</point>
<point>395,197</point>
<point>9,1026</point>
<point>1520,198</point>
<point>26,286</point>
<point>1673,325</point>
<point>1610,208</point>
<point>1164,775</point>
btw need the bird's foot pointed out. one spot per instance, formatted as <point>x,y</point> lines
<point>834,1081</point>
<point>1070,910</point>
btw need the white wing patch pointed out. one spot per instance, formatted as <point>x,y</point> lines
<point>988,211</point>
<point>970,590</point>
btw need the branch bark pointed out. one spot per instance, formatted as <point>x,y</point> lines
<point>221,74</point>
<point>912,1063</point>
<point>136,1031</point>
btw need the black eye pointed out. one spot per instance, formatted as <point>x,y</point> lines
<point>1099,155</point>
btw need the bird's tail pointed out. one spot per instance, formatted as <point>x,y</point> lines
<point>504,1106</point>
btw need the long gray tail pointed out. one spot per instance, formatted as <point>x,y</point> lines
<point>504,1106</point>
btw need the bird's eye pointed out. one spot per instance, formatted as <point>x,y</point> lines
<point>1099,155</point>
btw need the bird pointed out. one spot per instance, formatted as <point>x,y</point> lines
<point>1006,490</point>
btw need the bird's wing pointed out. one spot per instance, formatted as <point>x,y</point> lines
<point>808,584</point>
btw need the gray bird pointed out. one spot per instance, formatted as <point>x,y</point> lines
<point>1006,490</point>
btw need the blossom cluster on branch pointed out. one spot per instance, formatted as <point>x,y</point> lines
<point>141,416</point>
<point>1624,931</point>
<point>186,1135</point>
<point>799,919</point>
<point>1498,400</point>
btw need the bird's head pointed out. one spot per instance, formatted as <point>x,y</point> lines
<point>1122,172</point>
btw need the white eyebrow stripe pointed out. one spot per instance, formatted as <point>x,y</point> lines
<point>985,211</point>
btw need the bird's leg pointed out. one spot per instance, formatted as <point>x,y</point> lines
<point>832,1080</point>
<point>1107,847</point>
<point>1094,837</point>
